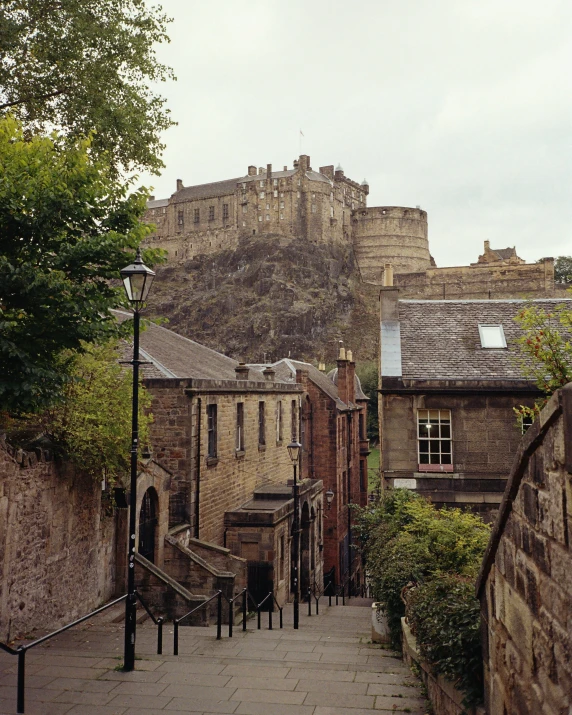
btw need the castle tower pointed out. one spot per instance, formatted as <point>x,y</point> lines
<point>390,234</point>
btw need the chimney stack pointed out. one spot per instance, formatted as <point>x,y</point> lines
<point>269,373</point>
<point>487,246</point>
<point>251,170</point>
<point>268,171</point>
<point>285,168</point>
<point>241,371</point>
<point>346,376</point>
<point>260,170</point>
<point>179,184</point>
<point>151,198</point>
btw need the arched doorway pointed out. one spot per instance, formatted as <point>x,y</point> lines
<point>305,550</point>
<point>148,525</point>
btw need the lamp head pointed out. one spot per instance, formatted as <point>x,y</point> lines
<point>329,498</point>
<point>137,280</point>
<point>294,451</point>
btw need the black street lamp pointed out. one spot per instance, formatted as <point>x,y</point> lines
<point>294,452</point>
<point>137,279</point>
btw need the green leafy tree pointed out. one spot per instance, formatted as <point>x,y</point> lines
<point>92,423</point>
<point>85,66</point>
<point>563,269</point>
<point>67,226</point>
<point>545,351</point>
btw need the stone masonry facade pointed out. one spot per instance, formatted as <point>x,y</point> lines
<point>57,543</point>
<point>525,585</point>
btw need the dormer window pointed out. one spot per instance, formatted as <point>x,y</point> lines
<point>492,336</point>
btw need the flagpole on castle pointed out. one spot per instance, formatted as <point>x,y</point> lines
<point>300,143</point>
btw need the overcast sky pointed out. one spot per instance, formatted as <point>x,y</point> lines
<point>462,107</point>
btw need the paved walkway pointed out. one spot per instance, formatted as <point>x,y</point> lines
<point>327,667</point>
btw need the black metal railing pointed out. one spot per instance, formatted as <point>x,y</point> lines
<point>157,621</point>
<point>21,650</point>
<point>218,595</point>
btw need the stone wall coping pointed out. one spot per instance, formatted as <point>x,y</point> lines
<point>194,386</point>
<point>215,548</point>
<point>409,386</point>
<point>561,401</point>
<point>165,578</point>
<point>198,559</point>
<point>22,457</point>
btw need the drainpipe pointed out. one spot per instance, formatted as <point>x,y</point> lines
<point>198,470</point>
<point>349,473</point>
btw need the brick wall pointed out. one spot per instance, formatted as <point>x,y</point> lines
<point>525,585</point>
<point>57,553</point>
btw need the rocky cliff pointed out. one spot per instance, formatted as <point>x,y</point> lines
<point>273,297</point>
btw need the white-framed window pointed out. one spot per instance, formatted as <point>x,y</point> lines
<point>434,440</point>
<point>297,194</point>
<point>275,194</point>
<point>492,336</point>
<point>262,183</point>
<point>281,194</point>
<point>313,208</point>
<point>211,431</point>
<point>282,204</point>
<point>260,218</point>
<point>268,217</point>
<point>262,194</point>
<point>275,182</point>
<point>267,206</point>
<point>281,216</point>
<point>244,209</point>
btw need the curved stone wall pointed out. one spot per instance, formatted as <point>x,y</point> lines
<point>390,234</point>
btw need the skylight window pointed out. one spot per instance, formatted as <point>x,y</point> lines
<point>492,336</point>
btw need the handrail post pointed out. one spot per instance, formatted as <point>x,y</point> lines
<point>336,597</point>
<point>176,637</point>
<point>244,607</point>
<point>230,616</point>
<point>270,611</point>
<point>219,617</point>
<point>258,615</point>
<point>21,679</point>
<point>318,606</point>
<point>343,595</point>
<point>309,602</point>
<point>160,635</point>
<point>280,617</point>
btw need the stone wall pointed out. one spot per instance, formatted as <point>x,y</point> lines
<point>525,585</point>
<point>57,538</point>
<point>525,280</point>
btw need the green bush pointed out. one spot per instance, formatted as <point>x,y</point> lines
<point>444,616</point>
<point>409,544</point>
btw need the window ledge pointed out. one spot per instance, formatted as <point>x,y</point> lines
<point>261,447</point>
<point>435,468</point>
<point>211,461</point>
<point>239,453</point>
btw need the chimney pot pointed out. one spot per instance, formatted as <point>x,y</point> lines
<point>342,355</point>
<point>387,274</point>
<point>350,356</point>
<point>151,198</point>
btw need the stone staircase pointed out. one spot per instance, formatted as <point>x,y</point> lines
<point>327,667</point>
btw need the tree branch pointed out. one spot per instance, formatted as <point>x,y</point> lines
<point>40,97</point>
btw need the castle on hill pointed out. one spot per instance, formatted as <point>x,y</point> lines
<point>325,206</point>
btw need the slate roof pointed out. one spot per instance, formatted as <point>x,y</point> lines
<point>440,338</point>
<point>175,356</point>
<point>157,203</point>
<point>504,252</point>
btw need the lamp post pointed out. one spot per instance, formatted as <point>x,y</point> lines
<point>294,452</point>
<point>137,280</point>
<point>329,498</point>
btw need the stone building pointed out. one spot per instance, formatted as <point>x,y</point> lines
<point>219,434</point>
<point>334,451</point>
<point>449,383</point>
<point>525,584</point>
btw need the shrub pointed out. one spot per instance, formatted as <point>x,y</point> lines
<point>444,616</point>
<point>409,544</point>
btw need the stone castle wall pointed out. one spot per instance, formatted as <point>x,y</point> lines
<point>525,585</point>
<point>57,544</point>
<point>390,234</point>
<point>525,280</point>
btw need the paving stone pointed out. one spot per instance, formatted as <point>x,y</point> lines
<point>138,676</point>
<point>318,674</point>
<point>85,686</point>
<point>83,697</point>
<point>139,688</point>
<point>260,671</point>
<point>329,686</point>
<point>194,667</point>
<point>210,681</point>
<point>282,697</point>
<point>93,710</point>
<point>262,683</point>
<point>386,678</point>
<point>340,700</point>
<point>275,709</point>
<point>197,706</point>
<point>139,701</point>
<point>60,671</point>
<point>198,691</point>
